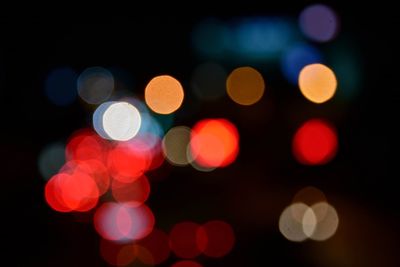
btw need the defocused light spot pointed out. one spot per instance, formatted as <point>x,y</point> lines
<point>117,121</point>
<point>95,85</point>
<point>183,240</point>
<point>262,38</point>
<point>309,222</point>
<point>117,254</point>
<point>164,94</point>
<point>327,221</point>
<point>52,193</point>
<point>219,238</point>
<point>175,145</point>
<point>348,65</point>
<point>296,57</point>
<point>214,142</point>
<point>245,86</point>
<point>309,195</point>
<point>128,161</point>
<point>60,86</point>
<point>210,38</point>
<point>85,144</point>
<point>315,143</point>
<point>195,165</point>
<point>186,264</point>
<point>51,159</point>
<point>317,83</point>
<point>208,81</point>
<point>156,246</point>
<point>291,222</point>
<point>319,23</point>
<point>122,223</point>
<point>132,194</point>
<point>92,167</point>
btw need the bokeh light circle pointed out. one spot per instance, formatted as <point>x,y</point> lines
<point>218,239</point>
<point>214,142</point>
<point>317,83</point>
<point>164,94</point>
<point>118,121</point>
<point>175,144</point>
<point>315,143</point>
<point>245,86</point>
<point>95,85</point>
<point>319,23</point>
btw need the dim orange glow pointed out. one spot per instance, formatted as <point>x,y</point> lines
<point>164,94</point>
<point>214,142</point>
<point>315,143</point>
<point>317,83</point>
<point>245,86</point>
<point>309,195</point>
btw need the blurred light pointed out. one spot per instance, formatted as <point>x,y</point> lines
<point>117,121</point>
<point>156,247</point>
<point>219,238</point>
<point>319,23</point>
<point>210,38</point>
<point>245,86</point>
<point>296,57</point>
<point>263,38</point>
<point>327,221</point>
<point>51,159</point>
<point>214,142</point>
<point>131,194</point>
<point>291,222</point>
<point>315,143</point>
<point>85,144</point>
<point>183,240</point>
<point>60,87</point>
<point>164,94</point>
<point>175,145</point>
<point>348,65</point>
<point>317,83</point>
<point>95,85</point>
<point>121,223</point>
<point>309,222</point>
<point>186,264</point>
<point>208,81</point>
<point>92,167</point>
<point>117,254</point>
<point>128,161</point>
<point>72,192</point>
<point>309,195</point>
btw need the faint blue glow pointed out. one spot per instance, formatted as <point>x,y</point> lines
<point>208,81</point>
<point>296,57</point>
<point>60,86</point>
<point>51,159</point>
<point>95,85</point>
<point>347,63</point>
<point>263,38</point>
<point>319,23</point>
<point>210,38</point>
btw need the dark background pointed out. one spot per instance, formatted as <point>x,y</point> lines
<point>361,181</point>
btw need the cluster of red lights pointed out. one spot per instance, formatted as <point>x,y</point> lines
<point>110,178</point>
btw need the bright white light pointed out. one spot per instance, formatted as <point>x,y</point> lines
<point>328,221</point>
<point>309,222</point>
<point>118,121</point>
<point>291,222</point>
